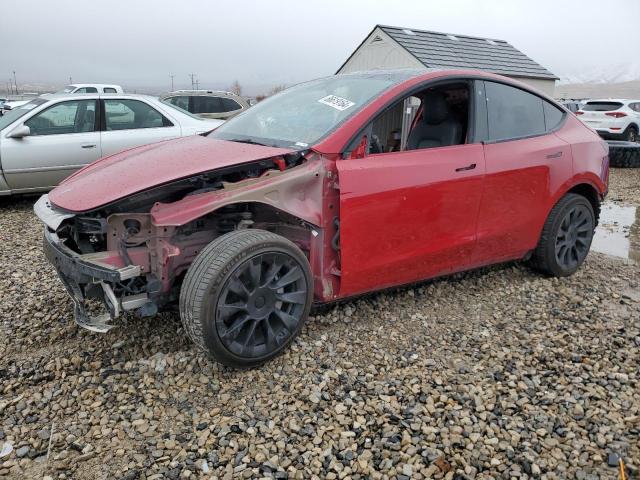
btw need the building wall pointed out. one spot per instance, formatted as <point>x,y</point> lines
<point>380,55</point>
<point>386,54</point>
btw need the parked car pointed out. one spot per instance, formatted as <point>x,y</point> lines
<point>11,104</point>
<point>91,88</point>
<point>613,119</point>
<point>302,200</point>
<point>208,103</point>
<point>2,102</point>
<point>571,105</point>
<point>48,138</point>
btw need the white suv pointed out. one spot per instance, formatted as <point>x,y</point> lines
<point>613,119</point>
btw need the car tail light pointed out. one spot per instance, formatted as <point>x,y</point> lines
<point>579,113</point>
<point>616,114</point>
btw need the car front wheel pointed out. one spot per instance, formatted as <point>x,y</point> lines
<point>246,296</point>
<point>566,236</point>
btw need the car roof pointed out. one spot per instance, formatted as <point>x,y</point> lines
<point>620,100</point>
<point>401,75</point>
<point>74,96</point>
<point>80,85</point>
<point>201,93</point>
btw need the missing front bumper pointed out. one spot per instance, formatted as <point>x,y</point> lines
<point>80,276</point>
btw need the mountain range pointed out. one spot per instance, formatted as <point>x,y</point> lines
<point>621,73</point>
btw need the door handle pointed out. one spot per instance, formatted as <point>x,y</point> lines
<point>555,155</point>
<point>468,167</point>
<point>89,145</point>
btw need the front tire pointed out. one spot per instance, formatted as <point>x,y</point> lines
<point>566,237</point>
<point>246,296</point>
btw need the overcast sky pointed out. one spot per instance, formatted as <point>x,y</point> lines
<point>262,43</point>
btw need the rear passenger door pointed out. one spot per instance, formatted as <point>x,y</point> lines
<point>129,123</point>
<point>525,165</point>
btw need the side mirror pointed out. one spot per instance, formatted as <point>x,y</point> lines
<point>19,132</point>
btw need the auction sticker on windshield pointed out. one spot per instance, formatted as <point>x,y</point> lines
<point>336,102</point>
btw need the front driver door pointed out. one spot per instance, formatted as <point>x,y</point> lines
<point>407,216</point>
<point>63,139</point>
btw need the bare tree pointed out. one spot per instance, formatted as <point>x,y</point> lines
<point>276,89</point>
<point>236,87</point>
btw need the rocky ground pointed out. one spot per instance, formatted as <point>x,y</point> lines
<point>624,185</point>
<point>497,373</point>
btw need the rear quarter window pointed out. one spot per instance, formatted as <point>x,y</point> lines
<point>513,113</point>
<point>552,116</point>
<point>229,105</point>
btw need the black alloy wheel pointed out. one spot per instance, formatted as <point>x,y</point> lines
<point>566,236</point>
<point>246,296</point>
<point>261,304</point>
<point>573,238</point>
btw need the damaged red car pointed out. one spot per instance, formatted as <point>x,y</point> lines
<point>331,189</point>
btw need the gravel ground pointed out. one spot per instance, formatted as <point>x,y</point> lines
<point>497,373</point>
<point>624,185</point>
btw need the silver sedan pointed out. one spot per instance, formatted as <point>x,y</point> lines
<point>47,139</point>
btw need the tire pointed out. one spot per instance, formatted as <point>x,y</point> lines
<point>566,237</point>
<point>624,154</point>
<point>631,134</point>
<point>246,296</point>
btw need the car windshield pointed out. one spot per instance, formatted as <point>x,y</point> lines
<point>15,113</point>
<point>302,115</point>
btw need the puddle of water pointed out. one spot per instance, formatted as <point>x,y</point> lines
<point>618,231</point>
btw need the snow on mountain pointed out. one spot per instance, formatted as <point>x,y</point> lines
<point>626,72</point>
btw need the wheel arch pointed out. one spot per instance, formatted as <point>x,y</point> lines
<point>590,193</point>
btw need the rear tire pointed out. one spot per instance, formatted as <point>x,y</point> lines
<point>631,134</point>
<point>566,237</point>
<point>246,296</point>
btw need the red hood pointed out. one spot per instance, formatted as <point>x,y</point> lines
<point>125,173</point>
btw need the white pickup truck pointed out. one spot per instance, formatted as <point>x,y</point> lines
<point>91,88</point>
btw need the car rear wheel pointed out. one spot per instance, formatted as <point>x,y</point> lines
<point>566,237</point>
<point>631,134</point>
<point>246,296</point>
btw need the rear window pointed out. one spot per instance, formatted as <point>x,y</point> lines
<point>601,106</point>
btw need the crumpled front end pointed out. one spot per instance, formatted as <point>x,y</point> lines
<point>101,276</point>
<point>132,254</point>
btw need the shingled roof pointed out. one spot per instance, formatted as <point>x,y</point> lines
<point>442,50</point>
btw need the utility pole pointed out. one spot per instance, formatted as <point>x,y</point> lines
<point>14,81</point>
<point>192,75</point>
<point>70,80</point>
<point>197,84</point>
<point>172,75</point>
